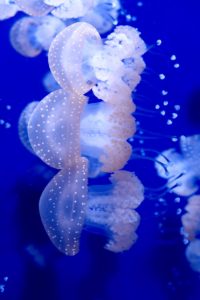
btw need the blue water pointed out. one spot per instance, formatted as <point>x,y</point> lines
<point>155,267</point>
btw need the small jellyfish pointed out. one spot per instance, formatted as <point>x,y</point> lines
<point>34,7</point>
<point>8,9</point>
<point>111,210</point>
<point>181,169</point>
<point>30,35</point>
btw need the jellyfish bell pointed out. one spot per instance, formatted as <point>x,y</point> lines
<point>62,207</point>
<point>54,128</point>
<point>8,9</point>
<point>67,54</point>
<point>30,35</point>
<point>34,7</point>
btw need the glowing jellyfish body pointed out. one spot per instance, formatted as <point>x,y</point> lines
<point>191,226</point>
<point>181,169</point>
<point>8,9</point>
<point>30,35</point>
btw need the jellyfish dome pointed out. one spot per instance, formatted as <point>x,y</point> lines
<point>181,169</point>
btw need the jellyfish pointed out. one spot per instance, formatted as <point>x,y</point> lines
<point>82,139</point>
<point>110,68</point>
<point>191,231</point>
<point>182,169</point>
<point>8,9</point>
<point>30,35</point>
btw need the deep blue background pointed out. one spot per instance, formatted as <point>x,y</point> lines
<point>155,268</point>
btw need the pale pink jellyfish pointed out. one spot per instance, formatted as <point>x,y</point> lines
<point>8,9</point>
<point>191,230</point>
<point>30,35</point>
<point>182,170</point>
<point>82,139</point>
